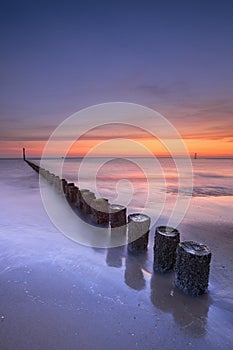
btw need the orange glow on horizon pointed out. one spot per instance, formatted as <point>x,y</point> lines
<point>203,147</point>
<point>116,139</point>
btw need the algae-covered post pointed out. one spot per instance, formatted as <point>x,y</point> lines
<point>51,178</point>
<point>118,221</point>
<point>87,198</point>
<point>99,211</point>
<point>80,200</point>
<point>70,191</point>
<point>192,267</point>
<point>165,245</point>
<point>138,232</point>
<point>56,183</point>
<point>117,215</point>
<point>69,188</point>
<point>73,191</point>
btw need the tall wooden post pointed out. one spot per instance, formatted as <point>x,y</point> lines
<point>138,232</point>
<point>192,267</point>
<point>165,244</point>
<point>24,154</point>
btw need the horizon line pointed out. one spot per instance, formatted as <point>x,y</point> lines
<point>129,156</point>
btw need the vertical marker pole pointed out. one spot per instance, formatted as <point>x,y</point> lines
<point>24,154</point>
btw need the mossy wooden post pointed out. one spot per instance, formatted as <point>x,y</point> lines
<point>99,211</point>
<point>79,201</point>
<point>138,232</point>
<point>192,267</point>
<point>117,215</point>
<point>73,191</point>
<point>69,187</point>
<point>42,172</point>
<point>64,185</point>
<point>87,198</point>
<point>165,244</point>
<point>56,183</point>
<point>51,178</point>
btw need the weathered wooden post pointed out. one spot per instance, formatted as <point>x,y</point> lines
<point>46,174</point>
<point>117,215</point>
<point>52,178</point>
<point>118,222</point>
<point>138,232</point>
<point>24,154</point>
<point>165,244</point>
<point>42,172</point>
<point>79,200</point>
<point>56,183</point>
<point>64,185</point>
<point>192,267</point>
<point>73,191</point>
<point>69,187</point>
<point>87,198</point>
<point>99,211</point>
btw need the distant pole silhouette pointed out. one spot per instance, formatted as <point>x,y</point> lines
<point>24,154</point>
<point>195,156</point>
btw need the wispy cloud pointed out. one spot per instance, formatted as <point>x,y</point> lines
<point>156,90</point>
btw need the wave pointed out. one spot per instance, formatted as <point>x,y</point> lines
<point>203,191</point>
<point>212,175</point>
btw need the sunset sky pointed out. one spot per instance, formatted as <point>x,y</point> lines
<point>58,57</point>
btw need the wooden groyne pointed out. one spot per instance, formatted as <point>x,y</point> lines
<point>190,260</point>
<point>95,210</point>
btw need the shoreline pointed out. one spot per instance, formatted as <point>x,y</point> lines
<point>57,294</point>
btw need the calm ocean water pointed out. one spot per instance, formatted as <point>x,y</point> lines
<point>154,184</point>
<point>211,177</point>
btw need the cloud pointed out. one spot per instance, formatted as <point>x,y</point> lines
<point>16,130</point>
<point>117,130</point>
<point>218,132</point>
<point>156,90</point>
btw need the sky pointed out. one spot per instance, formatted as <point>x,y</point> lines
<point>58,57</point>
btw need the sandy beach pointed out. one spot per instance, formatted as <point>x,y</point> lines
<point>58,294</point>
<point>116,124</point>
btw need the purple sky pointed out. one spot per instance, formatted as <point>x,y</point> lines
<point>60,56</point>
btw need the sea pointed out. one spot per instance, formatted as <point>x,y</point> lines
<point>166,189</point>
<point>82,289</point>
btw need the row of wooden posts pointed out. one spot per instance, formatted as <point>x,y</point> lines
<point>190,260</point>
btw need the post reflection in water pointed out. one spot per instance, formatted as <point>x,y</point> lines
<point>134,265</point>
<point>134,277</point>
<point>189,312</point>
<point>115,255</point>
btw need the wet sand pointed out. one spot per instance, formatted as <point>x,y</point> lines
<point>57,294</point>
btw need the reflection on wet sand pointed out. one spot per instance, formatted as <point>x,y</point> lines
<point>134,277</point>
<point>134,265</point>
<point>190,313</point>
<point>115,255</point>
